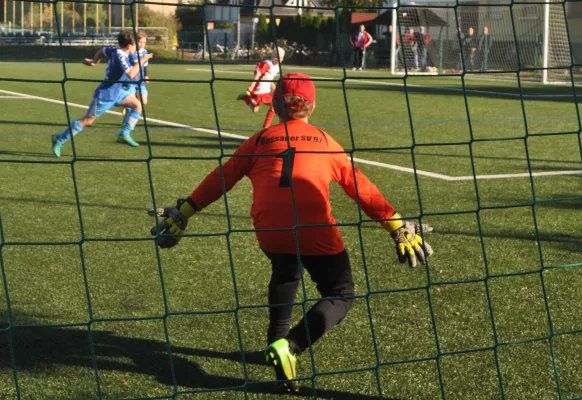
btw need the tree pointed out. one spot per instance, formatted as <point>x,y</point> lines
<point>188,17</point>
<point>189,23</point>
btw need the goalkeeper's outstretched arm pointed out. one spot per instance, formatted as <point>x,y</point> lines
<point>409,244</point>
<point>211,189</point>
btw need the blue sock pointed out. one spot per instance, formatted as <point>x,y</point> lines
<point>66,134</point>
<point>126,116</point>
<point>129,123</point>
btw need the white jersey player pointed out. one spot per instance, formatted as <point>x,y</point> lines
<point>260,90</point>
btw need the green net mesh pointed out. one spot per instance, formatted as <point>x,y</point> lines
<point>475,145</point>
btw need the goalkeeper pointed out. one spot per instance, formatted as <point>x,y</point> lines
<point>291,165</point>
<point>260,90</point>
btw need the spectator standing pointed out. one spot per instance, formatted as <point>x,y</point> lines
<point>410,48</point>
<point>388,33</point>
<point>470,48</point>
<point>360,40</point>
<point>398,46</point>
<point>422,40</point>
<point>460,38</point>
<point>485,43</point>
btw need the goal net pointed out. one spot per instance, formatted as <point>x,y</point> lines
<point>541,41</point>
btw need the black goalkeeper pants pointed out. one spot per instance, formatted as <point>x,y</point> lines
<point>333,277</point>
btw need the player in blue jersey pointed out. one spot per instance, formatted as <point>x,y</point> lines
<point>140,90</point>
<point>113,91</point>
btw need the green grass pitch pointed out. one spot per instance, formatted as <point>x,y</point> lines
<point>109,319</point>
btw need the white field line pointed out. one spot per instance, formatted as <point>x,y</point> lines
<point>435,88</point>
<point>14,97</point>
<point>358,160</point>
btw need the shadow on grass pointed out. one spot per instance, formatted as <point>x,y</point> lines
<point>214,142</point>
<point>28,123</point>
<point>570,204</point>
<point>475,157</point>
<point>215,145</point>
<point>214,138</point>
<point>564,241</point>
<point>108,206</point>
<point>46,347</point>
<point>27,153</point>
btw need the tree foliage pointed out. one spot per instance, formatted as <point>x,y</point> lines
<point>308,29</point>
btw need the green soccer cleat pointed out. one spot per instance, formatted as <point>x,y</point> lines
<point>127,140</point>
<point>57,146</point>
<point>242,95</point>
<point>279,357</point>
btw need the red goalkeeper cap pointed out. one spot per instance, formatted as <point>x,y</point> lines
<point>296,84</point>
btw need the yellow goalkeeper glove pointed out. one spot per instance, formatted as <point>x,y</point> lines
<point>174,223</point>
<point>409,244</point>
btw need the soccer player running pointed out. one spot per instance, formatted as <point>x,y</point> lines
<point>138,57</point>
<point>114,91</point>
<point>290,166</point>
<point>260,90</point>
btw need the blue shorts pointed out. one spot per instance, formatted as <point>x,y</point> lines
<point>142,89</point>
<point>99,107</point>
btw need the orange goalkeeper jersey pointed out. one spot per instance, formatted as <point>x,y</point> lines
<point>308,158</point>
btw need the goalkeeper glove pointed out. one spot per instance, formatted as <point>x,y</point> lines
<point>409,244</point>
<point>174,223</point>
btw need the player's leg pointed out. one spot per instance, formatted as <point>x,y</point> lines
<point>255,102</point>
<point>269,117</point>
<point>244,96</point>
<point>250,100</point>
<point>130,120</point>
<point>131,89</point>
<point>142,94</point>
<point>285,277</point>
<point>268,101</point>
<point>95,110</point>
<point>142,97</point>
<point>333,277</point>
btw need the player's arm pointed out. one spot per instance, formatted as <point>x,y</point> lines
<point>369,42</point>
<point>145,73</point>
<point>133,71</point>
<point>91,62</point>
<point>212,188</point>
<point>409,244</point>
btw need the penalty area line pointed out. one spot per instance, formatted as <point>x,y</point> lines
<point>357,160</point>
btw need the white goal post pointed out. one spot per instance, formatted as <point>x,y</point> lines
<point>540,41</point>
